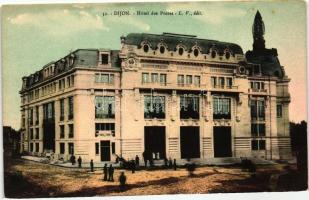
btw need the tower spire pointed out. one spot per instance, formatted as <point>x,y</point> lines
<point>258,31</point>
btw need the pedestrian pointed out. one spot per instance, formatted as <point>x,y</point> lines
<point>105,172</point>
<point>79,160</point>
<point>145,158</point>
<point>111,173</point>
<point>122,181</point>
<point>72,159</point>
<point>170,163</point>
<point>91,165</point>
<point>137,161</point>
<point>175,165</point>
<point>151,161</point>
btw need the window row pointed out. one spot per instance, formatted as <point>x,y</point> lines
<point>70,148</point>
<point>257,85</point>
<point>221,82</point>
<point>104,78</point>
<point>62,131</point>
<point>154,78</point>
<point>35,147</point>
<point>188,80</point>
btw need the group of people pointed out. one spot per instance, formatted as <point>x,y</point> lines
<point>73,160</point>
<point>108,173</point>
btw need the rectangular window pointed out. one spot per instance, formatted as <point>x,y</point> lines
<point>31,147</point>
<point>104,59</point>
<point>105,107</point>
<point>97,148</point>
<point>62,147</point>
<point>37,115</point>
<point>181,79</point>
<point>154,107</point>
<point>61,109</point>
<point>258,145</point>
<point>37,147</point>
<point>62,131</point>
<point>105,127</point>
<point>71,148</point>
<point>37,133</point>
<point>104,78</point>
<point>257,109</point>
<point>30,115</point>
<point>221,82</point>
<point>188,79</point>
<point>258,130</point>
<point>197,80</point>
<point>154,78</point>
<point>229,82</point>
<point>221,108</point>
<point>279,111</point>
<point>213,82</point>
<point>31,134</point>
<point>113,148</point>
<point>70,108</point>
<point>189,107</point>
<point>48,111</point>
<point>163,79</point>
<point>145,78</point>
<point>71,130</point>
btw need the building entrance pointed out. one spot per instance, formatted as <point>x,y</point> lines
<point>105,150</point>
<point>190,142</point>
<point>154,137</point>
<point>222,142</point>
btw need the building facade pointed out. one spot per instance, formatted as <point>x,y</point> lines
<point>171,95</point>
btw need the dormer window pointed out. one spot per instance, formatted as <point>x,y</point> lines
<point>195,52</point>
<point>146,48</point>
<point>227,55</point>
<point>213,53</point>
<point>104,59</point>
<point>180,51</point>
<point>162,49</point>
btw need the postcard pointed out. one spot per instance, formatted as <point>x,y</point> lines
<point>154,98</point>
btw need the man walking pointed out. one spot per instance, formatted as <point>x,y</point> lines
<point>79,160</point>
<point>91,165</point>
<point>105,172</point>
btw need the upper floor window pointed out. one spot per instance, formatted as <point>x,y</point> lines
<point>154,107</point>
<point>104,107</point>
<point>104,78</point>
<point>181,79</point>
<point>145,78</point>
<point>104,59</point>
<point>154,78</point>
<point>163,79</point>
<point>258,130</point>
<point>71,130</point>
<point>197,80</point>
<point>279,110</point>
<point>105,127</point>
<point>255,85</point>
<point>188,79</point>
<point>30,116</point>
<point>189,107</point>
<point>258,144</point>
<point>70,108</point>
<point>48,111</point>
<point>257,109</point>
<point>37,115</point>
<point>62,133</point>
<point>221,108</point>
<point>61,109</point>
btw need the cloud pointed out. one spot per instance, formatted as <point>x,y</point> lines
<point>60,22</point>
<point>213,14</point>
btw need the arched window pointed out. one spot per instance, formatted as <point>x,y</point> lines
<point>195,52</point>
<point>162,49</point>
<point>227,55</point>
<point>146,48</point>
<point>180,51</point>
<point>213,53</point>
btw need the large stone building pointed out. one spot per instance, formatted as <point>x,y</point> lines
<point>173,95</point>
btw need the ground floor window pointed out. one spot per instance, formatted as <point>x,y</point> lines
<point>105,127</point>
<point>71,148</point>
<point>31,147</point>
<point>258,144</point>
<point>37,147</point>
<point>113,148</point>
<point>97,148</point>
<point>62,147</point>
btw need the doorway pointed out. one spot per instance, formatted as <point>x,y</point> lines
<point>154,137</point>
<point>190,142</point>
<point>222,142</point>
<point>105,150</point>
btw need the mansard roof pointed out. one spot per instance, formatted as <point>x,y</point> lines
<point>173,40</point>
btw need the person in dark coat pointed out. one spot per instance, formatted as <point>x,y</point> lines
<point>105,172</point>
<point>145,158</point>
<point>79,160</point>
<point>122,181</point>
<point>133,166</point>
<point>175,165</point>
<point>111,173</point>
<point>72,159</point>
<point>91,165</point>
<point>165,162</point>
<point>137,161</point>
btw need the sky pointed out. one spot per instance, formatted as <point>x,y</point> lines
<point>34,35</point>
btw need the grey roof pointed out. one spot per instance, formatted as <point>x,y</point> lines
<point>172,40</point>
